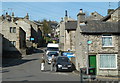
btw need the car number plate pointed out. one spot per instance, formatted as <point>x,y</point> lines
<point>64,68</point>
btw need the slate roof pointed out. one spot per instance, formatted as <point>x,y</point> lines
<point>95,16</point>
<point>71,25</point>
<point>100,27</point>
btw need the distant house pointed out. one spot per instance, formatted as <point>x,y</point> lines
<point>1,36</point>
<point>70,29</point>
<point>67,33</point>
<point>32,29</point>
<point>14,36</point>
<point>97,44</point>
<point>94,16</point>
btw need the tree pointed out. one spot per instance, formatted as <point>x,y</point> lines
<point>46,26</point>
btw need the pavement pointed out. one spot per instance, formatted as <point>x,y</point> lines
<point>102,78</point>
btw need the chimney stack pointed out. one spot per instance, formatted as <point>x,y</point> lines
<point>66,13</point>
<point>12,17</point>
<point>27,16</point>
<point>110,10</point>
<point>66,16</point>
<point>12,14</point>
<point>6,13</point>
<point>81,10</point>
<point>81,16</point>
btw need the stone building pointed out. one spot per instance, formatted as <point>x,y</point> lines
<point>97,44</point>
<point>69,41</point>
<point>14,36</point>
<point>33,30</point>
<point>67,29</point>
<point>94,16</point>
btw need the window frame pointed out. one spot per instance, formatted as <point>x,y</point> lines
<point>12,29</point>
<point>12,42</point>
<point>108,55</point>
<point>106,36</point>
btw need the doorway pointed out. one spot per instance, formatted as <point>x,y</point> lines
<point>92,61</point>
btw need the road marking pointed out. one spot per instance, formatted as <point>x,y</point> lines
<point>59,73</point>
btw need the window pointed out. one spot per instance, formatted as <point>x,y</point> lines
<point>12,43</point>
<point>108,61</point>
<point>12,29</point>
<point>107,41</point>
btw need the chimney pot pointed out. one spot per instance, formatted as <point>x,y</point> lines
<point>12,13</point>
<point>6,13</point>
<point>66,13</point>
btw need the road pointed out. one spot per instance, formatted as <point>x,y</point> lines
<point>28,69</point>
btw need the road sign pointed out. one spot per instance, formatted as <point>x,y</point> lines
<point>32,39</point>
<point>89,42</point>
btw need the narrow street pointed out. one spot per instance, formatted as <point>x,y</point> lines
<point>28,69</point>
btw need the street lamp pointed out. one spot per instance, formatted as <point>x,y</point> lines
<point>88,43</point>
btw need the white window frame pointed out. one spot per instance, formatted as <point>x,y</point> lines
<point>103,36</point>
<point>108,55</point>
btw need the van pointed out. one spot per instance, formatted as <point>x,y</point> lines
<point>52,47</point>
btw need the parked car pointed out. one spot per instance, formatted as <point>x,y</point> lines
<point>63,64</point>
<point>49,56</point>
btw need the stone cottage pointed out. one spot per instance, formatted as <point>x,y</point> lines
<point>69,41</point>
<point>67,33</point>
<point>97,44</point>
<point>14,36</point>
<point>32,29</point>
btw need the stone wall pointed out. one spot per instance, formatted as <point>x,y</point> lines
<point>10,36</point>
<point>115,16</point>
<point>94,49</point>
<point>72,40</point>
<point>62,35</point>
<point>26,27</point>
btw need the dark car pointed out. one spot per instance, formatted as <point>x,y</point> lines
<point>63,64</point>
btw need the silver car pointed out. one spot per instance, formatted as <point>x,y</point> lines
<point>49,56</point>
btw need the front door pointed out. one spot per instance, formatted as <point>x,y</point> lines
<point>92,61</point>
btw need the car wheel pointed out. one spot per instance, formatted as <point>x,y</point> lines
<point>56,70</point>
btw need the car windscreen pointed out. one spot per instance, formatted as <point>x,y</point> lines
<point>63,59</point>
<point>52,53</point>
<point>52,49</point>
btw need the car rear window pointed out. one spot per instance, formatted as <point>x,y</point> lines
<point>63,59</point>
<point>53,53</point>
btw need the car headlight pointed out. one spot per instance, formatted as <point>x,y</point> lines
<point>59,66</point>
<point>69,65</point>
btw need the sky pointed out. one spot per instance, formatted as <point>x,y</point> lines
<point>55,10</point>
